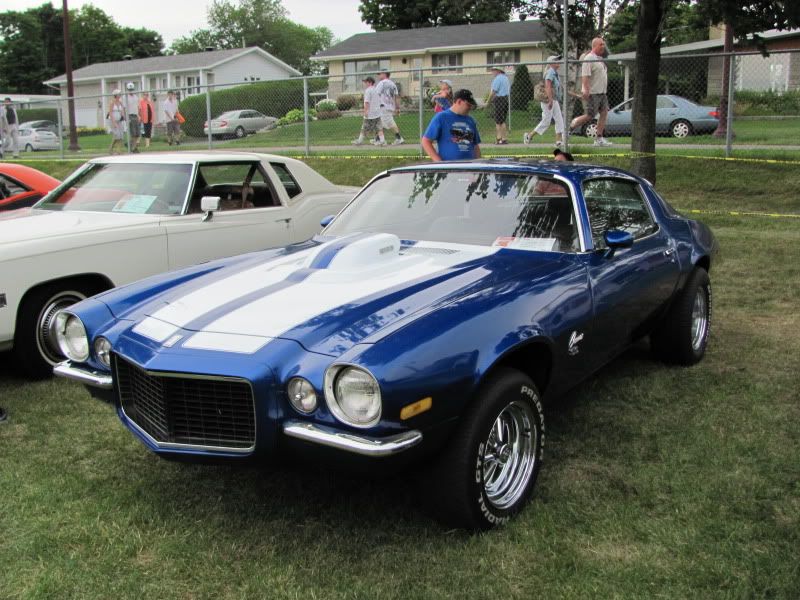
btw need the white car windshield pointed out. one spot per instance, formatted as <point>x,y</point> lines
<point>468,207</point>
<point>151,188</point>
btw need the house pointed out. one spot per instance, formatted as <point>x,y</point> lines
<point>456,52</point>
<point>186,73</point>
<point>779,71</point>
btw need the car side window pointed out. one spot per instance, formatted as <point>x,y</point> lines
<point>287,179</point>
<point>9,187</point>
<point>616,204</point>
<point>238,185</point>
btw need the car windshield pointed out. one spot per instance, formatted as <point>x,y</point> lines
<point>151,188</point>
<point>532,212</point>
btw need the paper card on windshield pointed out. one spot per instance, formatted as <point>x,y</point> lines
<point>521,243</point>
<point>135,203</point>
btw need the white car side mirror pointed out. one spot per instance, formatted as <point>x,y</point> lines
<point>209,205</point>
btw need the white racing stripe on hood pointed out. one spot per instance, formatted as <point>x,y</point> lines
<point>273,315</point>
<point>179,312</point>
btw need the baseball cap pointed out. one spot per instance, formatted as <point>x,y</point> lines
<point>567,155</point>
<point>115,92</point>
<point>447,81</point>
<point>370,79</point>
<point>130,86</point>
<point>553,58</point>
<point>496,68</point>
<point>466,96</point>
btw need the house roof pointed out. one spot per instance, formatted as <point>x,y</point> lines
<point>714,44</point>
<point>161,64</point>
<point>426,39</point>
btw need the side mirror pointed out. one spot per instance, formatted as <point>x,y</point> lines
<point>327,220</point>
<point>617,239</point>
<point>209,205</point>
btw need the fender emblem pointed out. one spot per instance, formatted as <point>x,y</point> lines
<point>572,347</point>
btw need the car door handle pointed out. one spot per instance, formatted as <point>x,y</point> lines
<point>287,220</point>
<point>670,254</point>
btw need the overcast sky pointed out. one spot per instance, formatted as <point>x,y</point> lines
<point>177,18</point>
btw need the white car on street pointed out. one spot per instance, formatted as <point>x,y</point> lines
<point>119,219</point>
<point>31,140</point>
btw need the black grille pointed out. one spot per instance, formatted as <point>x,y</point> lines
<point>185,410</point>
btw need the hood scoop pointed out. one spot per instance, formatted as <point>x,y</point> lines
<point>363,253</point>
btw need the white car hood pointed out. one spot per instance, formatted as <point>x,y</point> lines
<point>25,224</point>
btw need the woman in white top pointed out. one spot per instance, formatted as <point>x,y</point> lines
<point>116,121</point>
<point>551,108</point>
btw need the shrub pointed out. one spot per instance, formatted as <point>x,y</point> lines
<point>328,114</point>
<point>326,106</point>
<point>296,115</point>
<point>272,98</point>
<point>38,114</point>
<point>521,89</point>
<point>347,101</point>
<point>89,131</point>
<point>766,103</point>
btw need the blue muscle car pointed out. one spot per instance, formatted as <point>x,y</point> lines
<point>431,319</point>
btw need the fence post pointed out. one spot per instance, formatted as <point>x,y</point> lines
<point>60,130</point>
<point>729,116</point>
<point>627,82</point>
<point>305,114</point>
<point>421,111</point>
<point>566,112</point>
<point>208,115</point>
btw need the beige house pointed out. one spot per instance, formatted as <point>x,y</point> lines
<point>420,57</point>
<point>186,73</point>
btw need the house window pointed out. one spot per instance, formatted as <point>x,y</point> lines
<point>416,64</point>
<point>502,57</point>
<point>450,62</point>
<point>354,70</point>
<point>192,85</point>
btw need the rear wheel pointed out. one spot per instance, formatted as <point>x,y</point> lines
<point>590,130</point>
<point>488,471</point>
<point>683,336</point>
<point>680,129</point>
<point>240,132</point>
<point>35,347</point>
<point>28,148</point>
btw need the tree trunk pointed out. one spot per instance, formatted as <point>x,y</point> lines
<point>645,90</point>
<point>722,127</point>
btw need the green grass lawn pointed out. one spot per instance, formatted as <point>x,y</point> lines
<point>658,482</point>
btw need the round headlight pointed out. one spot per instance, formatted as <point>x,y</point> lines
<point>71,336</point>
<point>302,395</point>
<point>353,396</point>
<point>102,349</point>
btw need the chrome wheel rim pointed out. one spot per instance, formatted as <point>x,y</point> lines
<point>509,455</point>
<point>699,319</point>
<point>46,322</point>
<point>680,130</point>
<point>591,130</point>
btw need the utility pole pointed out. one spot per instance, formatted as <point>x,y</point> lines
<point>73,134</point>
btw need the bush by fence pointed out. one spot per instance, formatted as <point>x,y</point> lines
<point>38,114</point>
<point>272,98</point>
<point>762,104</point>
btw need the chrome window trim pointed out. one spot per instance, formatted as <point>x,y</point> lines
<point>174,446</point>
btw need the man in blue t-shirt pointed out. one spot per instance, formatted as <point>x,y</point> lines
<point>454,131</point>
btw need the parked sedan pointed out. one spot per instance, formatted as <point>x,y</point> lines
<point>119,219</point>
<point>32,140</point>
<point>50,126</point>
<point>22,186</point>
<point>675,116</point>
<point>427,324</point>
<point>238,123</point>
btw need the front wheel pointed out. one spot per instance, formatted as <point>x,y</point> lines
<point>35,347</point>
<point>488,472</point>
<point>28,148</point>
<point>682,337</point>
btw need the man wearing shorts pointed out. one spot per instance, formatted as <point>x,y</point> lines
<point>170,108</point>
<point>131,103</point>
<point>387,93</point>
<point>594,78</point>
<point>372,114</point>
<point>501,87</point>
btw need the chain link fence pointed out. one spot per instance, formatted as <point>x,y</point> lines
<point>325,113</point>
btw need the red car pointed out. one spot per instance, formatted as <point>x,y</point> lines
<point>22,186</point>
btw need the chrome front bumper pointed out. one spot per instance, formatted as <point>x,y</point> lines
<point>350,442</point>
<point>94,378</point>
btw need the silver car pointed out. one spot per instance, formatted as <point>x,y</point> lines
<point>675,116</point>
<point>238,123</point>
<point>37,139</point>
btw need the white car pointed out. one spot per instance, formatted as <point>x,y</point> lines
<point>37,139</point>
<point>238,123</point>
<point>118,219</point>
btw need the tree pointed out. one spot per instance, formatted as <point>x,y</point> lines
<point>261,23</point>
<point>521,89</point>
<point>385,15</point>
<point>586,20</point>
<point>683,23</point>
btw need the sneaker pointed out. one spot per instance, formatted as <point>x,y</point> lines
<point>602,142</point>
<point>357,142</point>
<point>502,142</point>
<point>526,138</point>
<point>398,141</point>
<point>378,143</point>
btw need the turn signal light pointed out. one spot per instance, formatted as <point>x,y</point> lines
<point>418,407</point>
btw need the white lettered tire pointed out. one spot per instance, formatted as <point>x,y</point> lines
<point>488,471</point>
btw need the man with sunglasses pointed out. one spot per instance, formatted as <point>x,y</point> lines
<point>454,131</point>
